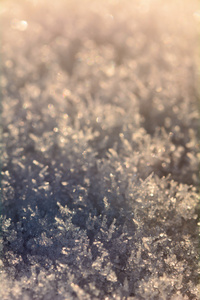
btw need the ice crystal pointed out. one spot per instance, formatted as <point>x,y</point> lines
<point>99,150</point>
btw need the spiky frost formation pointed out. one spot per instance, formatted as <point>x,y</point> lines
<point>99,150</point>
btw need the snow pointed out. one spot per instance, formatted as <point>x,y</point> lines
<point>99,150</point>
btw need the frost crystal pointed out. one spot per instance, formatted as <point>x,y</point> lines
<point>99,150</point>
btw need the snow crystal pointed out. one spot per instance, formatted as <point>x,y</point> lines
<point>99,150</point>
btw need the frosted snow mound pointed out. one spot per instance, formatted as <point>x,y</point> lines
<point>99,149</point>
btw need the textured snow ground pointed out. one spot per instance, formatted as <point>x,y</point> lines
<point>99,150</point>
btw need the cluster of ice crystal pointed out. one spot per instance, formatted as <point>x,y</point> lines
<point>99,150</point>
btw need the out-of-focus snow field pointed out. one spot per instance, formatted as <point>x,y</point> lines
<point>99,149</point>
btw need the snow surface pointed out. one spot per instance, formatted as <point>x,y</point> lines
<point>99,150</point>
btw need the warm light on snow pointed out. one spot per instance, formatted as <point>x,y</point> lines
<point>99,150</point>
